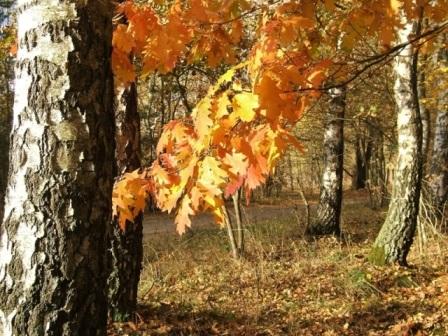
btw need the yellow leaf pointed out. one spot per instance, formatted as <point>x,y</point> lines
<point>223,103</point>
<point>244,106</point>
<point>219,215</point>
<point>227,77</point>
<point>213,202</point>
<point>237,162</point>
<point>211,176</point>
<point>395,5</point>
<point>196,197</point>
<point>183,216</point>
<point>201,116</point>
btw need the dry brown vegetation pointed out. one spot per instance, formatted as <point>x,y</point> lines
<point>289,286</point>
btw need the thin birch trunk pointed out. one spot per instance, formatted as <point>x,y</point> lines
<point>239,222</point>
<point>230,233</point>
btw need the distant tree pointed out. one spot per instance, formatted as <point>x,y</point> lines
<point>425,115</point>
<point>58,201</point>
<point>330,201</point>
<point>363,153</point>
<point>376,182</point>
<point>438,167</point>
<point>5,10</point>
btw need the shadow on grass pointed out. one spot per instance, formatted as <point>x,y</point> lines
<point>375,318</point>
<point>380,318</point>
<point>183,319</point>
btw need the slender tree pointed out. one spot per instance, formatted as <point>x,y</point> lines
<point>363,153</point>
<point>424,112</point>
<point>438,170</point>
<point>397,233</point>
<point>58,201</point>
<point>329,209</point>
<point>439,163</point>
<point>126,246</point>
<point>422,95</point>
<point>377,165</point>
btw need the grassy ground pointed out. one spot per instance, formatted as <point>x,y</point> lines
<point>288,286</point>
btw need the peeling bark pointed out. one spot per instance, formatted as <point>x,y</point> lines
<point>126,251</point>
<point>329,209</point>
<point>58,200</point>
<point>397,233</point>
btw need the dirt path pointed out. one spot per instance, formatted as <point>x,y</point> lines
<point>163,223</point>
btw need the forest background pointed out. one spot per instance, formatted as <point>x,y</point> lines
<point>290,105</point>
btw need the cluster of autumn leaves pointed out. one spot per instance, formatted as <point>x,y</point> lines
<point>186,31</point>
<point>222,147</point>
<point>239,130</point>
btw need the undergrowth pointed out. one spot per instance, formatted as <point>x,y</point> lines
<point>286,285</point>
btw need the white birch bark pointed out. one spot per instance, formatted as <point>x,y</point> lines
<point>397,233</point>
<point>57,205</point>
<point>438,174</point>
<point>330,201</point>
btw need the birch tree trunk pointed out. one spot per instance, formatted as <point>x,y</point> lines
<point>58,201</point>
<point>397,233</point>
<point>126,247</point>
<point>329,209</point>
<point>439,164</point>
<point>438,170</point>
<point>424,113</point>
